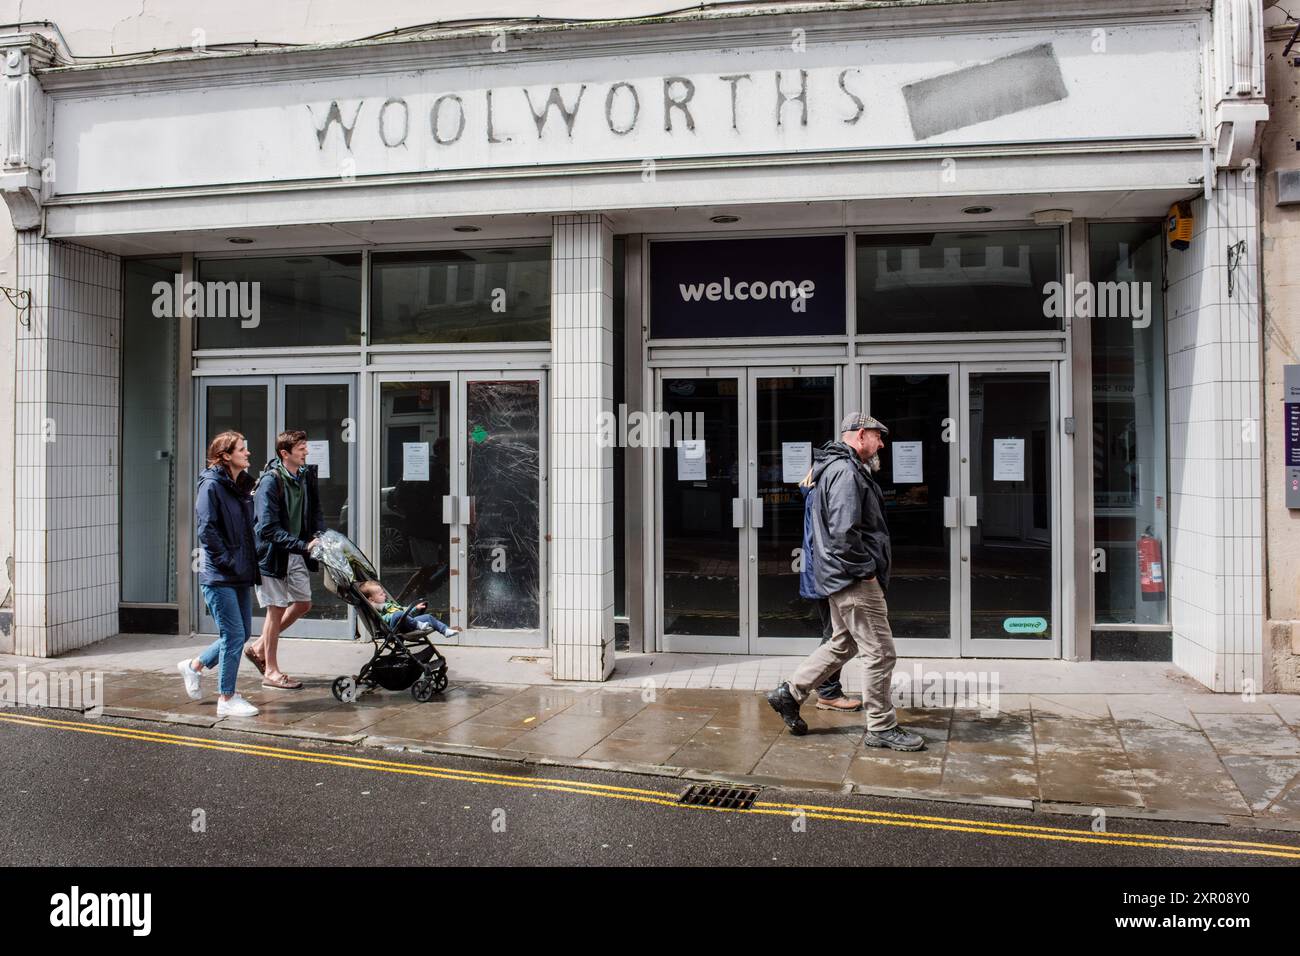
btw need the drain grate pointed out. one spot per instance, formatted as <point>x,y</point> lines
<point>726,798</point>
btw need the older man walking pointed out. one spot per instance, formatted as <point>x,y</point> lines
<point>849,552</point>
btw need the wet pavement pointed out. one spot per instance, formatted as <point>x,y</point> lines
<point>1195,756</point>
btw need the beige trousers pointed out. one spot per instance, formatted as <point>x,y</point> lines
<point>860,625</point>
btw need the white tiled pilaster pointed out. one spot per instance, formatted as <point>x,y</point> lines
<point>582,472</point>
<point>66,418</point>
<point>1215,445</point>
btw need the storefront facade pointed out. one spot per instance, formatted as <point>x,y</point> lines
<point>567,312</point>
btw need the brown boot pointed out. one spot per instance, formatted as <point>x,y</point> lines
<point>844,704</point>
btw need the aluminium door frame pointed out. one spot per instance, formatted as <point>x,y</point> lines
<point>792,646</point>
<point>701,643</point>
<point>306,627</point>
<point>200,621</point>
<point>950,646</point>
<point>1012,647</point>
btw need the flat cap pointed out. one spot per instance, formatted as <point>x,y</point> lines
<point>855,420</point>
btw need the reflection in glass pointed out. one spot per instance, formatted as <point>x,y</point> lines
<point>504,473</point>
<point>148,560</point>
<point>956,281</point>
<point>413,539</point>
<point>322,411</point>
<point>914,408</point>
<point>701,549</point>
<point>1011,548</point>
<point>1128,425</point>
<point>789,410</point>
<point>240,408</point>
<point>475,295</point>
<point>300,300</point>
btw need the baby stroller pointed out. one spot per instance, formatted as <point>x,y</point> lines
<point>404,656</point>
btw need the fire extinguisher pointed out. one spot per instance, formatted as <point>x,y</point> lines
<point>1151,567</point>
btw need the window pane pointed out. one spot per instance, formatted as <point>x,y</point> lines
<point>1128,424</point>
<point>477,295</point>
<point>148,437</point>
<point>957,281</point>
<point>504,474</point>
<point>298,300</point>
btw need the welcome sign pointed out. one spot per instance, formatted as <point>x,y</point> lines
<point>714,288</point>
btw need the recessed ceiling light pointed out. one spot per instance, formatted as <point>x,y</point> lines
<point>723,220</point>
<point>977,210</point>
<point>466,229</point>
<point>240,240</point>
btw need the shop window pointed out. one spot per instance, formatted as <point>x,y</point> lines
<point>1129,466</point>
<point>957,281</point>
<point>281,301</point>
<point>477,295</point>
<point>149,343</point>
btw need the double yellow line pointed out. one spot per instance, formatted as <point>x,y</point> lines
<point>669,799</point>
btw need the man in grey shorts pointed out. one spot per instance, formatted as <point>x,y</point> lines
<point>288,519</point>
<point>849,554</point>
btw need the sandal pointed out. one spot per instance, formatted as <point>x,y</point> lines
<point>258,662</point>
<point>283,682</point>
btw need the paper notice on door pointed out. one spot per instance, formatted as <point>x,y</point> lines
<point>796,459</point>
<point>415,461</point>
<point>1008,459</point>
<point>318,454</point>
<point>907,462</point>
<point>691,464</point>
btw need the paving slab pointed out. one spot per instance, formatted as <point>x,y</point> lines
<point>998,775</point>
<point>1269,784</point>
<point>723,749</point>
<point>1250,734</point>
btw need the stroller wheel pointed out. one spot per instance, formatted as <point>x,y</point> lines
<point>440,681</point>
<point>423,690</point>
<point>345,689</point>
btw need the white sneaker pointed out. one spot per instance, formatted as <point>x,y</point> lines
<point>451,632</point>
<point>191,679</point>
<point>235,707</point>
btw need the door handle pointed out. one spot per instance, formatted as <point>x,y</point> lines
<point>950,512</point>
<point>449,509</point>
<point>738,512</point>
<point>969,512</point>
<point>756,512</point>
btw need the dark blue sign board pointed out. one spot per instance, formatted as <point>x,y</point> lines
<point>723,288</point>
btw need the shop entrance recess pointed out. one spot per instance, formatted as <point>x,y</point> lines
<point>730,512</point>
<point>459,464</point>
<point>324,406</point>
<point>971,478</point>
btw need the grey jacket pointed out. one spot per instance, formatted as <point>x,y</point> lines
<point>848,539</point>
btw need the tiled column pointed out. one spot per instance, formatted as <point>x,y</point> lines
<point>582,472</point>
<point>66,420</point>
<point>1216,443</point>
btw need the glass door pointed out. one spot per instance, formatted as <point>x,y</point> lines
<point>702,511</point>
<point>792,412</point>
<point>460,477</point>
<point>1010,511</point>
<point>738,442</point>
<point>971,489</point>
<point>262,407</point>
<point>919,480</point>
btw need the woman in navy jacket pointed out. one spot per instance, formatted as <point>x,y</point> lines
<point>223,507</point>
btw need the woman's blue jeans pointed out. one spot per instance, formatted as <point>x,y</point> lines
<point>232,609</point>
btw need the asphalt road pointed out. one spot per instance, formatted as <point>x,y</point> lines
<point>82,792</point>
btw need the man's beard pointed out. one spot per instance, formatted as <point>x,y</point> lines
<point>873,463</point>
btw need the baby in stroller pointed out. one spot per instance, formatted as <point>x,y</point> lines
<point>391,612</point>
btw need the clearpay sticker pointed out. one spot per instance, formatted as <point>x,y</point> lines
<point>1025,625</point>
